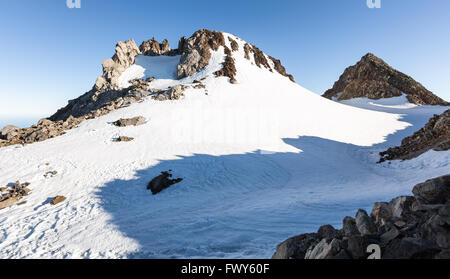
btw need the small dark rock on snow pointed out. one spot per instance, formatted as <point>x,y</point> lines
<point>162,182</point>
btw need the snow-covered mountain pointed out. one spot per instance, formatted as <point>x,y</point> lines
<point>261,158</point>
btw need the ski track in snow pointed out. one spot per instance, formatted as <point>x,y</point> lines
<point>261,161</point>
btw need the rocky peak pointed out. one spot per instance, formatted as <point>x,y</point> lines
<point>373,78</point>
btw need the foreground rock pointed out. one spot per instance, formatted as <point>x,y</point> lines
<point>374,79</point>
<point>161,182</point>
<point>435,135</point>
<point>135,121</point>
<point>408,227</point>
<point>11,195</point>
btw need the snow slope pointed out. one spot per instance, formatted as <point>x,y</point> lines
<point>262,160</point>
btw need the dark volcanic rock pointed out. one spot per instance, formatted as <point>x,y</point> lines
<point>406,228</point>
<point>162,182</point>
<point>435,135</point>
<point>375,79</point>
<point>296,247</point>
<point>434,191</point>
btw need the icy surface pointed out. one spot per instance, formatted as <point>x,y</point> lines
<point>262,160</point>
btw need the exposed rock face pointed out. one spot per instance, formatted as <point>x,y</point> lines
<point>135,121</point>
<point>262,61</point>
<point>153,48</point>
<point>408,227</point>
<point>229,68</point>
<point>93,103</point>
<point>435,135</point>
<point>374,79</point>
<point>124,57</point>
<point>162,182</point>
<point>11,195</point>
<point>196,51</point>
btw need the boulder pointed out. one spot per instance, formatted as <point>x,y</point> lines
<point>9,132</point>
<point>401,206</point>
<point>349,226</point>
<point>356,245</point>
<point>409,248</point>
<point>325,249</point>
<point>328,231</point>
<point>296,247</point>
<point>8,202</point>
<point>162,182</point>
<point>380,212</point>
<point>364,223</point>
<point>123,139</point>
<point>436,229</point>
<point>433,191</point>
<point>57,199</point>
<point>173,93</point>
<point>135,121</point>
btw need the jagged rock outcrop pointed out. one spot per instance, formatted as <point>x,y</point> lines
<point>153,48</point>
<point>434,135</point>
<point>45,129</point>
<point>196,51</point>
<point>123,58</point>
<point>373,78</point>
<point>261,60</point>
<point>229,67</point>
<point>408,227</point>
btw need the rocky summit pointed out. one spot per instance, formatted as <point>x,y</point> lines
<point>407,227</point>
<point>434,135</point>
<point>373,78</point>
<point>107,95</point>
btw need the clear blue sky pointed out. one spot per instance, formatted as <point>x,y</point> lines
<point>50,54</point>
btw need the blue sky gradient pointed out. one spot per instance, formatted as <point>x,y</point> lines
<point>50,54</point>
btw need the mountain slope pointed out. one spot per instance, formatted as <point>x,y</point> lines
<point>261,159</point>
<point>373,78</point>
